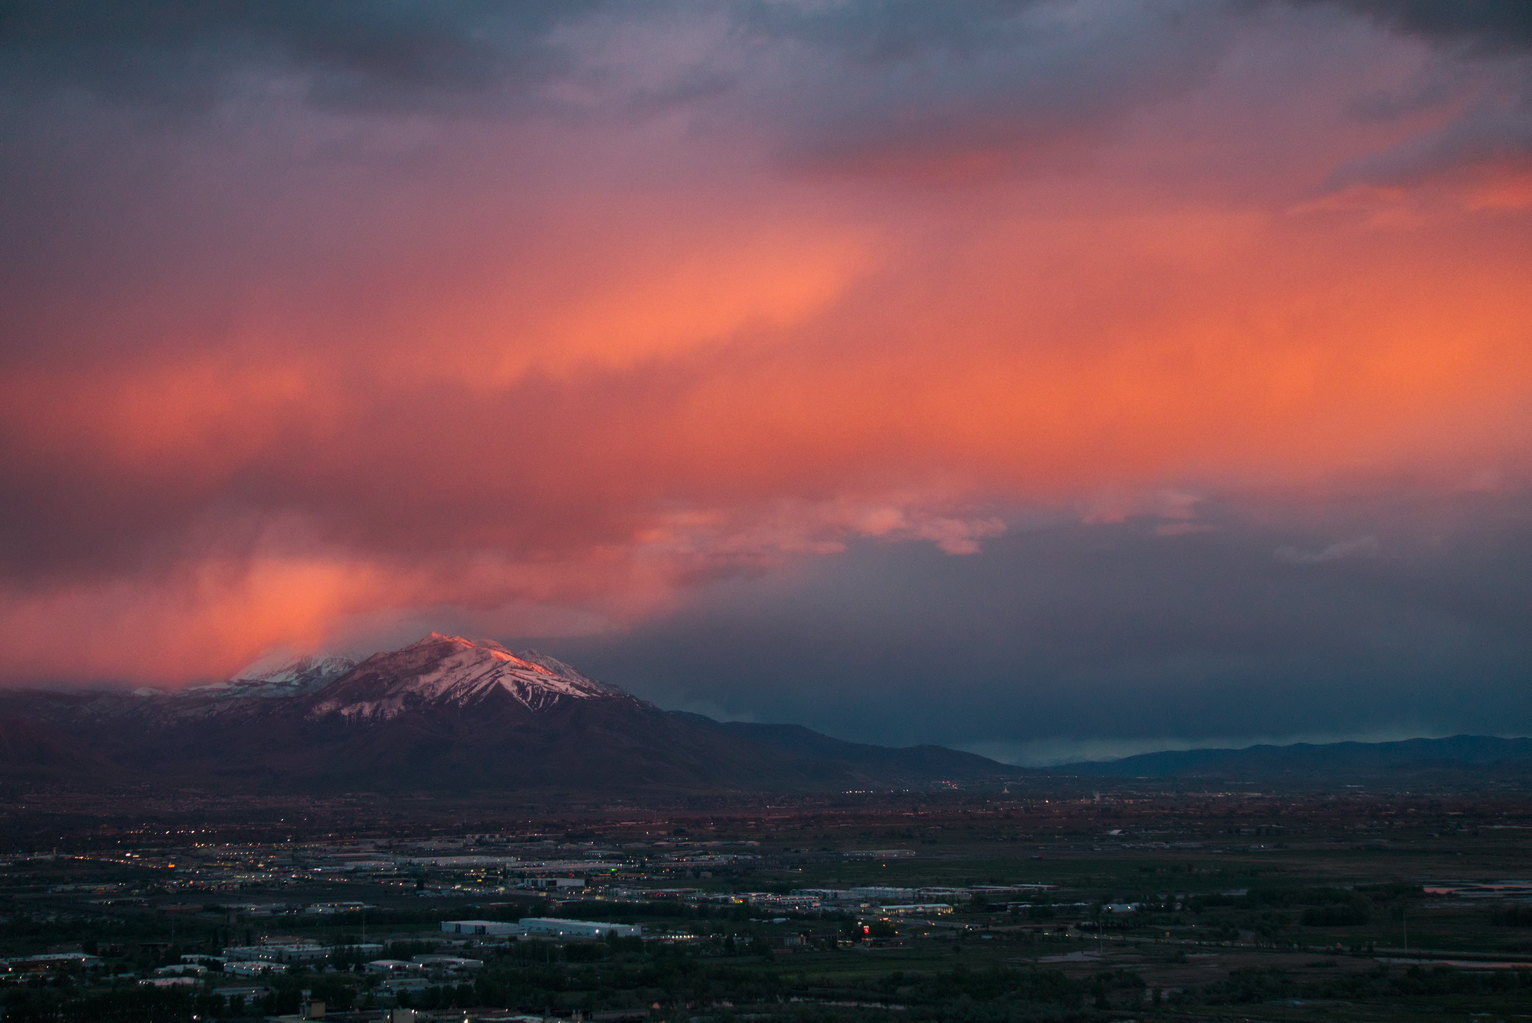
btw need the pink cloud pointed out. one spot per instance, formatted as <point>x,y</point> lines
<point>298,369</point>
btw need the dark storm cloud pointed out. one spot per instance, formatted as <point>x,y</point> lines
<point>1486,139</point>
<point>1113,632</point>
<point>1484,26</point>
<point>884,31</point>
<point>965,90</point>
<point>185,53</point>
<point>1484,144</point>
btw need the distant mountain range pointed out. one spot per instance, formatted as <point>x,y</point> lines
<point>452,715</point>
<point>1459,759</point>
<point>443,714</point>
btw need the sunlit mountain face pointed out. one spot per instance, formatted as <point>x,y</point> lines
<point>1033,379</point>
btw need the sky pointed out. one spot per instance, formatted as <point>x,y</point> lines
<point>1045,378</point>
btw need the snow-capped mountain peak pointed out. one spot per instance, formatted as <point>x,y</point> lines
<point>451,671</point>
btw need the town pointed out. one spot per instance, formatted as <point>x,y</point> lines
<point>1102,905</point>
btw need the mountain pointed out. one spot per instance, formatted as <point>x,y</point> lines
<point>933,761</point>
<point>448,714</point>
<point>442,714</point>
<point>35,751</point>
<point>291,678</point>
<point>449,671</point>
<point>1455,759</point>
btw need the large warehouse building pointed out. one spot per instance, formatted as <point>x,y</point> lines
<point>553,927</point>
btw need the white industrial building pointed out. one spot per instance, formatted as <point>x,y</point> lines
<point>553,927</point>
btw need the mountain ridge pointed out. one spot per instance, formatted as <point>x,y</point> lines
<point>444,713</point>
<point>1294,761</point>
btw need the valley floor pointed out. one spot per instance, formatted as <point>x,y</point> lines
<point>955,906</point>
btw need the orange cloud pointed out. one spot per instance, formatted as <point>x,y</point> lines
<point>553,378</point>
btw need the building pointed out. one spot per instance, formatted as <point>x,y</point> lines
<point>917,908</point>
<point>553,927</point>
<point>482,928</point>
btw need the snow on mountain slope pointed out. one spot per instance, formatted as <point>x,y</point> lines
<point>303,670</point>
<point>303,675</point>
<point>450,671</point>
<point>437,672</point>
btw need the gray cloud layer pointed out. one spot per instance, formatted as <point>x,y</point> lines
<point>1114,632</point>
<point>1484,26</point>
<point>186,53</point>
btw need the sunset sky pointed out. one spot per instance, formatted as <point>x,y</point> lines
<point>1046,379</point>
